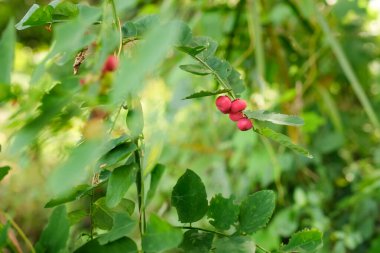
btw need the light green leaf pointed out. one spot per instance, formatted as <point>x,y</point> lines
<point>204,93</point>
<point>160,236</point>
<point>66,10</point>
<point>76,216</point>
<point>256,211</point>
<point>135,118</point>
<point>4,233</point>
<point>155,177</point>
<point>304,241</point>
<point>35,16</point>
<point>119,182</point>
<point>276,118</point>
<point>282,139</point>
<point>222,212</point>
<point>236,244</point>
<point>192,51</point>
<point>195,69</point>
<point>56,233</point>
<point>189,197</point>
<point>75,193</point>
<point>196,242</point>
<point>4,171</point>
<point>117,155</point>
<point>123,224</point>
<point>7,51</point>
<point>124,245</point>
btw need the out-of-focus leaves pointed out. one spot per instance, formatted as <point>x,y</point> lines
<point>55,235</point>
<point>135,119</point>
<point>137,28</point>
<point>204,93</point>
<point>123,224</point>
<point>256,211</point>
<point>304,241</point>
<point>196,242</point>
<point>7,51</point>
<point>73,194</point>
<point>76,216</point>
<point>155,178</point>
<point>160,235</point>
<point>276,118</point>
<point>282,139</point>
<point>65,10</point>
<point>119,182</point>
<point>4,171</point>
<point>189,197</point>
<point>125,245</point>
<point>195,69</point>
<point>222,212</point>
<point>4,233</point>
<point>236,244</point>
<point>116,155</point>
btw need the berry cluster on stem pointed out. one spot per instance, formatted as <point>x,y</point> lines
<point>235,110</point>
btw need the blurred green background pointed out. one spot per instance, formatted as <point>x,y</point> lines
<point>316,59</point>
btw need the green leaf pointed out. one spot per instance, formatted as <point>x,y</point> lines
<point>222,212</point>
<point>304,241</point>
<point>137,28</point>
<point>76,216</point>
<point>196,242</point>
<point>256,211</point>
<point>160,236</point>
<point>192,51</point>
<point>66,10</point>
<point>283,140</point>
<point>116,155</point>
<point>35,16</point>
<point>236,244</point>
<point>189,197</point>
<point>209,44</point>
<point>123,225</point>
<point>104,216</point>
<point>125,245</point>
<point>276,118</point>
<point>4,171</point>
<point>155,177</point>
<point>135,118</point>
<point>75,193</point>
<point>119,182</point>
<point>4,234</point>
<point>204,93</point>
<point>7,51</point>
<point>56,233</point>
<point>195,69</point>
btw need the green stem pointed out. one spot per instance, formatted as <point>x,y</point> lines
<point>202,229</point>
<point>347,69</point>
<point>262,249</point>
<point>140,191</point>
<point>118,26</point>
<point>20,232</point>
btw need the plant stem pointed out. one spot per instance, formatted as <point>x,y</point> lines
<point>20,232</point>
<point>140,190</point>
<point>118,26</point>
<point>262,249</point>
<point>202,229</point>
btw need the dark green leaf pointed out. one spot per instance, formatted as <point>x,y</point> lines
<point>4,171</point>
<point>35,16</point>
<point>156,175</point>
<point>135,119</point>
<point>124,245</point>
<point>123,224</point>
<point>236,244</point>
<point>222,212</point>
<point>56,233</point>
<point>256,211</point>
<point>76,193</point>
<point>195,69</point>
<point>283,140</point>
<point>137,28</point>
<point>160,236</point>
<point>196,242</point>
<point>119,182</point>
<point>304,241</point>
<point>4,233</point>
<point>192,51</point>
<point>204,93</point>
<point>189,197</point>
<point>276,118</point>
<point>116,155</point>
<point>104,216</point>
<point>7,51</point>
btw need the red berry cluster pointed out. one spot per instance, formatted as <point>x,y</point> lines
<point>235,110</point>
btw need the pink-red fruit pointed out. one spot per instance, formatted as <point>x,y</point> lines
<point>235,116</point>
<point>110,64</point>
<point>224,104</point>
<point>238,105</point>
<point>244,124</point>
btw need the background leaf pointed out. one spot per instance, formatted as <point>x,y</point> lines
<point>304,241</point>
<point>155,177</point>
<point>236,244</point>
<point>195,241</point>
<point>222,212</point>
<point>123,225</point>
<point>195,69</point>
<point>276,118</point>
<point>7,51</point>
<point>206,93</point>
<point>4,171</point>
<point>125,245</point>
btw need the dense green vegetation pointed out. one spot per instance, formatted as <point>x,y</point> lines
<point>137,156</point>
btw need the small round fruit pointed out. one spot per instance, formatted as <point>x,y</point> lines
<point>223,103</point>
<point>244,124</point>
<point>238,105</point>
<point>235,116</point>
<point>110,64</point>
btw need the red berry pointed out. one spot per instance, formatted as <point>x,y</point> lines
<point>238,105</point>
<point>224,104</point>
<point>110,64</point>
<point>244,124</point>
<point>235,116</point>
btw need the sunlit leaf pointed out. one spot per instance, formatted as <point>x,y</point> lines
<point>276,118</point>
<point>204,93</point>
<point>7,51</point>
<point>304,241</point>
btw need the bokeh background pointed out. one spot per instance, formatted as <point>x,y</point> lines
<point>316,59</point>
